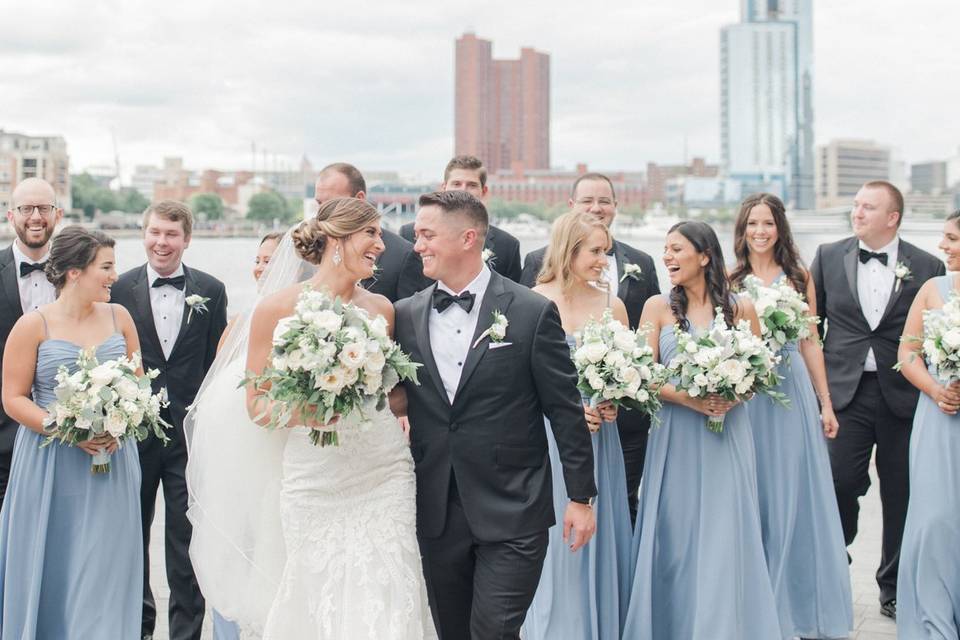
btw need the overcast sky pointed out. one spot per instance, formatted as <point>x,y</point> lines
<point>372,82</point>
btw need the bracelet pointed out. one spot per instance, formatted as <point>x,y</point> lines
<point>823,396</point>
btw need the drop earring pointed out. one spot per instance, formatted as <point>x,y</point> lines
<point>336,256</point>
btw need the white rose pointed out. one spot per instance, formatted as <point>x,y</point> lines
<point>594,351</point>
<point>614,359</point>
<point>372,382</point>
<point>691,347</point>
<point>327,321</point>
<point>332,380</point>
<point>378,327</point>
<point>952,338</point>
<point>629,375</point>
<point>296,360</point>
<point>105,373</point>
<point>732,370</point>
<point>114,424</point>
<point>353,355</point>
<point>128,389</point>
<point>283,325</point>
<point>625,341</point>
<point>642,395</point>
<point>375,361</point>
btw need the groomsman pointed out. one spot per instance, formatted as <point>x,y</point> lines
<point>865,286</point>
<point>467,173</point>
<point>633,275</point>
<point>179,313</point>
<point>495,362</point>
<point>34,215</point>
<point>399,271</point>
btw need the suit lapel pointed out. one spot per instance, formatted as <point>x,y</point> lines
<point>421,321</point>
<point>623,287</point>
<point>495,299</point>
<point>903,256</point>
<point>143,311</point>
<point>8,274</point>
<point>850,268</point>
<point>189,288</point>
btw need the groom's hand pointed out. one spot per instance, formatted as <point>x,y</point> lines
<point>579,524</point>
<point>405,426</point>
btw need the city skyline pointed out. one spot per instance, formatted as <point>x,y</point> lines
<point>167,82</point>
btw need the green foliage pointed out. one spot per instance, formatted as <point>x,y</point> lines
<point>91,197</point>
<point>207,206</point>
<point>270,206</point>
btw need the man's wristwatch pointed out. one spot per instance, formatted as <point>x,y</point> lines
<point>587,501</point>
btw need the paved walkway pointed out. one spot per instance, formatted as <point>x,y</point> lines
<point>868,623</point>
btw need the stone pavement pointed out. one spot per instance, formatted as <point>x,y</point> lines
<point>868,623</point>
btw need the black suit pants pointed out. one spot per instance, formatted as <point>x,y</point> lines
<point>5,460</point>
<point>479,590</point>
<point>867,422</point>
<point>167,465</point>
<point>634,429</point>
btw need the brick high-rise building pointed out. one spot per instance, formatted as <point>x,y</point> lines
<point>502,110</point>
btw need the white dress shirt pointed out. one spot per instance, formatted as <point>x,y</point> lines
<point>35,289</point>
<point>611,274</point>
<point>874,286</point>
<point>167,304</point>
<point>451,332</point>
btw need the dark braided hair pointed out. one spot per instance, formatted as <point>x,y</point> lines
<point>704,240</point>
<point>785,252</point>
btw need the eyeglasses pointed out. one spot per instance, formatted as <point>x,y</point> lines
<point>27,210</point>
<point>589,202</point>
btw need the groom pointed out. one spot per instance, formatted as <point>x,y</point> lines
<point>180,340</point>
<point>484,496</point>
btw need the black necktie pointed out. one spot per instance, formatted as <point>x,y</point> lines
<point>866,255</point>
<point>176,282</point>
<point>29,267</point>
<point>443,299</point>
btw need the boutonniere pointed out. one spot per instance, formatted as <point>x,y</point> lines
<point>902,272</point>
<point>631,271</point>
<point>488,256</point>
<point>497,330</point>
<point>196,302</point>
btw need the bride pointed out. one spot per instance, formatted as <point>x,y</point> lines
<point>292,540</point>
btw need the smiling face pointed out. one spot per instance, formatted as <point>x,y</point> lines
<point>683,262</point>
<point>595,197</point>
<point>165,242</point>
<point>761,232</point>
<point>950,244</point>
<point>34,228</point>
<point>264,252</point>
<point>465,180</point>
<point>590,258</point>
<point>359,251</point>
<point>874,217</point>
<point>443,240</point>
<point>93,282</point>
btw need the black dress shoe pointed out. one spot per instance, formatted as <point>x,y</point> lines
<point>889,609</point>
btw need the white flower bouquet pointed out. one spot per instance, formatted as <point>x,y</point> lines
<point>726,361</point>
<point>784,313</point>
<point>941,338</point>
<point>104,398</point>
<point>330,359</point>
<point>616,364</point>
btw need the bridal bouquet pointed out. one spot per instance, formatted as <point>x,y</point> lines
<point>616,364</point>
<point>784,313</point>
<point>941,338</point>
<point>104,398</point>
<point>330,360</point>
<point>727,361</point>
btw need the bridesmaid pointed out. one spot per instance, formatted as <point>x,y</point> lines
<point>928,590</point>
<point>223,628</point>
<point>71,555</point>
<point>700,571</point>
<point>582,596</point>
<point>802,537</point>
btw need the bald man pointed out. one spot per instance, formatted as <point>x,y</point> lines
<point>33,215</point>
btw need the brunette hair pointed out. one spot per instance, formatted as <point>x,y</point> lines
<point>354,178</point>
<point>592,176</point>
<point>704,240</point>
<point>276,236</point>
<point>73,248</point>
<point>785,252</point>
<point>337,218</point>
<point>467,163</point>
<point>567,236</point>
<point>170,210</point>
<point>460,202</point>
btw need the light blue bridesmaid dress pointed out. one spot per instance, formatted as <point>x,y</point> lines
<point>802,536</point>
<point>582,595</point>
<point>700,573</point>
<point>71,552</point>
<point>928,586</point>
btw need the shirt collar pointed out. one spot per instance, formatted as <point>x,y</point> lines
<point>891,249</point>
<point>21,257</point>
<point>477,286</point>
<point>153,275</point>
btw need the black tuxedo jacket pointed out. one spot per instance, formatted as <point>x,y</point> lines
<point>633,292</point>
<point>196,344</point>
<point>400,272</point>
<point>846,334</point>
<point>10,311</point>
<point>492,436</point>
<point>505,248</point>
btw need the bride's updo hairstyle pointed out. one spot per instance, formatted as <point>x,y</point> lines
<point>337,218</point>
<point>73,248</point>
<point>567,236</point>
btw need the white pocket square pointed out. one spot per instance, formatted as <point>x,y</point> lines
<point>498,345</point>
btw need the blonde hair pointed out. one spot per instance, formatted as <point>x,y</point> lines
<point>567,236</point>
<point>337,218</point>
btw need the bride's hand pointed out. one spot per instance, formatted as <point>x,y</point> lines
<point>310,420</point>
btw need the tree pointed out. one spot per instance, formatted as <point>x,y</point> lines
<point>82,191</point>
<point>267,207</point>
<point>207,206</point>
<point>132,201</point>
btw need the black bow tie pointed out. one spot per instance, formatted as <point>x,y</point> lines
<point>176,282</point>
<point>443,299</point>
<point>29,267</point>
<point>866,255</point>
